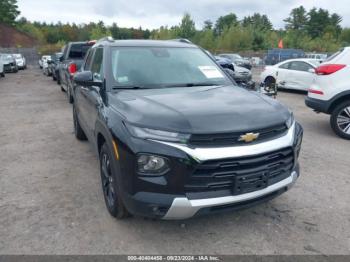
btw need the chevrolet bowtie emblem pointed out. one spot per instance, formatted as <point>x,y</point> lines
<point>249,137</point>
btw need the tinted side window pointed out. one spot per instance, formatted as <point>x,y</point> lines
<point>78,50</point>
<point>284,66</point>
<point>97,64</point>
<point>88,60</point>
<point>300,66</point>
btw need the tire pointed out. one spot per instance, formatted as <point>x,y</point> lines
<point>2,74</point>
<point>270,81</point>
<point>110,186</point>
<point>69,95</point>
<point>340,120</point>
<point>78,131</point>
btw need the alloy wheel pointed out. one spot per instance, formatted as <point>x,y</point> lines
<point>107,180</point>
<point>343,120</point>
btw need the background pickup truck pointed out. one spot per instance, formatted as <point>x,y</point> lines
<point>70,63</point>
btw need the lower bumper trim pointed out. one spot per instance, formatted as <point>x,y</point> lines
<point>183,208</point>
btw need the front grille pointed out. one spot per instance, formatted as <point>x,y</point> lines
<point>229,139</point>
<point>241,175</point>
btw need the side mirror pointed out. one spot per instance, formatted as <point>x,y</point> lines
<point>85,78</point>
<point>312,71</point>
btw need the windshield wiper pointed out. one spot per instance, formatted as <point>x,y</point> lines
<point>193,84</point>
<point>129,87</point>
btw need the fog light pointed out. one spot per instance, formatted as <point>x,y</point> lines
<point>151,164</point>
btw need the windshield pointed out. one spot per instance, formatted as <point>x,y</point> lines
<point>334,55</point>
<point>164,67</point>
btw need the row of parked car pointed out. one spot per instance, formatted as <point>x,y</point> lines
<point>11,63</point>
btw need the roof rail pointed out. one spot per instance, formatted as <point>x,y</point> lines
<point>182,40</point>
<point>107,38</point>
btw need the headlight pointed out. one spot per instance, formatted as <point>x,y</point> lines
<point>290,121</point>
<point>147,133</point>
<point>152,164</point>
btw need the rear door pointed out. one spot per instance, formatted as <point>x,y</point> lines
<point>93,95</point>
<point>299,77</point>
<point>88,97</point>
<point>80,93</point>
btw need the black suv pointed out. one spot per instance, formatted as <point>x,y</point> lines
<point>175,137</point>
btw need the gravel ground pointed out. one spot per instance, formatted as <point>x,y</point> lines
<point>51,201</point>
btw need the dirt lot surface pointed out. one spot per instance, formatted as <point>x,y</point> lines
<point>51,200</point>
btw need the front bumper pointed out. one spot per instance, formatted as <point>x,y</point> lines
<point>165,197</point>
<point>318,105</point>
<point>183,208</point>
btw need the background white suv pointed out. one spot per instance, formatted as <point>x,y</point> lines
<point>330,91</point>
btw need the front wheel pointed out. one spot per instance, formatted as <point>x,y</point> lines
<point>109,179</point>
<point>2,74</point>
<point>78,131</point>
<point>340,120</point>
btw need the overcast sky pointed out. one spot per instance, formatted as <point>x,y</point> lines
<point>154,13</point>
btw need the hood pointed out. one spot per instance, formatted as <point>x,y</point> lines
<point>199,110</point>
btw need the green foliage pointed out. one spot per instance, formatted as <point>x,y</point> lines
<point>187,27</point>
<point>258,22</point>
<point>8,11</point>
<point>321,22</point>
<point>345,37</point>
<point>297,19</point>
<point>225,22</point>
<point>313,30</point>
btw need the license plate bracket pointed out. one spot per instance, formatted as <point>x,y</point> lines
<point>249,183</point>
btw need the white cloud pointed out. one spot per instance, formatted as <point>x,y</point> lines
<point>154,13</point>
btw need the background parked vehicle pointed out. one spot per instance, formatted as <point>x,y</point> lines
<point>9,63</point>
<point>2,72</point>
<point>318,56</point>
<point>42,59</point>
<point>330,91</point>
<point>291,74</point>
<point>277,55</point>
<point>238,60</point>
<point>54,66</point>
<point>240,74</point>
<point>46,64</point>
<point>70,62</point>
<point>20,61</point>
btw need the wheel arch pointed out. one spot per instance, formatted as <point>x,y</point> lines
<point>338,100</point>
<point>270,77</point>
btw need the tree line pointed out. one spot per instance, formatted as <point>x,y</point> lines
<point>312,30</point>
